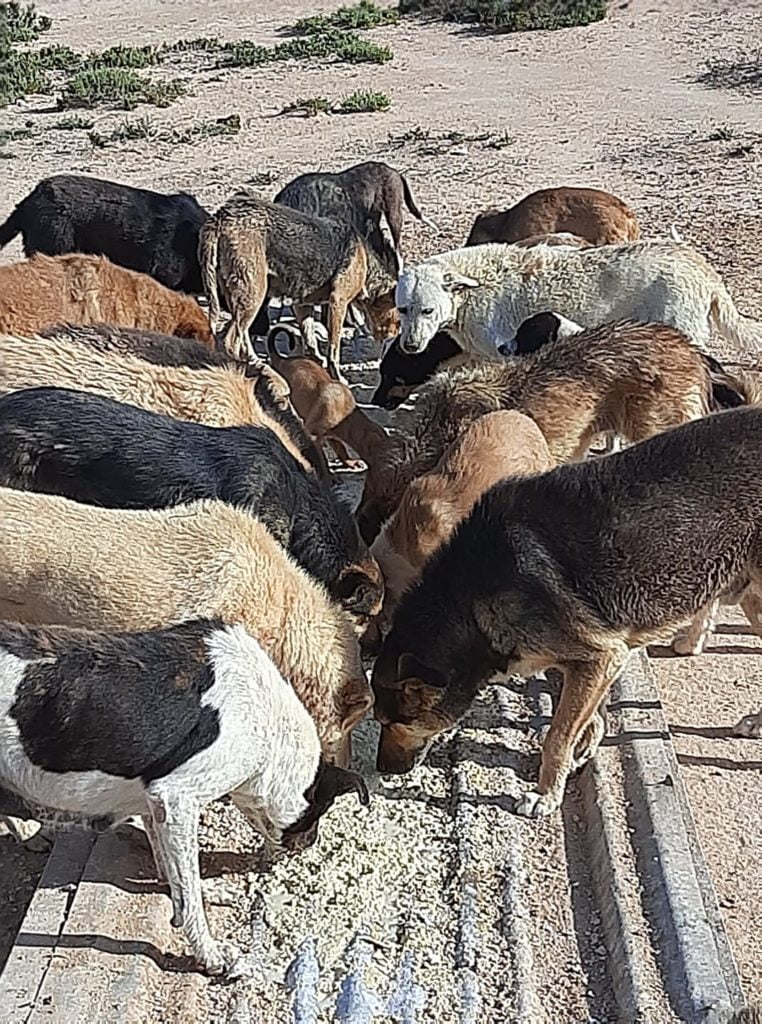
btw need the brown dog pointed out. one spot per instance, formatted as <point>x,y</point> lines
<point>327,407</point>
<point>80,289</point>
<point>596,216</point>
<point>631,378</point>
<point>573,569</point>
<point>498,445</point>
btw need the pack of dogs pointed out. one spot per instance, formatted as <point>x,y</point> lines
<point>189,608</point>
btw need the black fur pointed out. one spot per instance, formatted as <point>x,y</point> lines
<point>136,228</point>
<point>724,396</point>
<point>398,369</point>
<point>128,704</point>
<point>168,350</point>
<point>102,452</point>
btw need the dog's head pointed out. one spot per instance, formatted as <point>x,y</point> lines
<point>413,705</point>
<point>383,316</point>
<point>330,782</point>
<point>401,373</point>
<point>360,591</point>
<point>427,300</point>
<point>537,331</point>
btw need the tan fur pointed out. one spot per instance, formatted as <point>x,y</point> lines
<point>217,397</point>
<point>106,569</point>
<point>498,445</point>
<point>630,378</point>
<point>328,407</point>
<point>80,289</point>
<point>596,216</point>
<point>557,238</point>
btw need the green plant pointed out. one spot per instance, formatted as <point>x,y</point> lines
<point>341,46</point>
<point>14,134</point>
<point>363,15</point>
<point>510,15</point>
<point>310,106</point>
<point>116,87</point>
<point>74,122</point>
<point>21,23</point>
<point>200,44</point>
<point>55,58</point>
<point>364,101</point>
<point>20,75</point>
<point>123,57</point>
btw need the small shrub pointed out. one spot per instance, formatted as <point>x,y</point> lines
<point>20,75</point>
<point>73,123</point>
<point>500,141</point>
<point>309,106</point>
<point>123,57</point>
<point>510,15</point>
<point>341,46</point>
<point>364,101</point>
<point>21,23</point>
<point>742,75</point>
<point>244,54</point>
<point>141,129</point>
<point>13,135</point>
<point>363,15</point>
<point>208,44</point>
<point>116,87</point>
<point>56,58</point>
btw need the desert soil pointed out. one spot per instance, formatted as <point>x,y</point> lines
<point>622,105</point>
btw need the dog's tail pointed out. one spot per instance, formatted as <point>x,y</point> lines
<point>413,207</point>
<point>729,390</point>
<point>208,245</point>
<point>742,330</point>
<point>292,336</point>
<point>14,224</point>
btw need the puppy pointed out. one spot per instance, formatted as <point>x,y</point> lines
<point>402,374</point>
<point>326,406</point>
<point>498,445</point>
<point>573,569</point>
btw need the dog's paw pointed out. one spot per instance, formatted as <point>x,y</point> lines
<point>225,959</point>
<point>357,465</point>
<point>537,805</point>
<point>687,646</point>
<point>749,727</point>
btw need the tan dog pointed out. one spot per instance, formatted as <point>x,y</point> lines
<point>498,445</point>
<point>326,406</point>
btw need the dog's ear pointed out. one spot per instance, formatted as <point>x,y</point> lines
<point>356,700</point>
<point>357,592</point>
<point>454,282</point>
<point>409,667</point>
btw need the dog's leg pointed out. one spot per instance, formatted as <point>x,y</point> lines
<point>585,685</point>
<point>176,821</point>
<point>30,833</point>
<point>750,726</point>
<point>156,850</point>
<point>342,453</point>
<point>337,311</point>
<point>305,317</point>
<point>692,639</point>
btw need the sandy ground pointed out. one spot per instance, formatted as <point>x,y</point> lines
<point>618,105</point>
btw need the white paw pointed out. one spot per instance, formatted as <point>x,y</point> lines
<point>587,747</point>
<point>686,646</point>
<point>226,959</point>
<point>750,727</point>
<point>537,805</point>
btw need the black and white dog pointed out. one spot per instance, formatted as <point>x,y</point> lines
<point>159,724</point>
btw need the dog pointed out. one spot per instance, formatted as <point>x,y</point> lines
<point>326,406</point>
<point>629,378</point>
<point>573,569</point>
<point>498,445</point>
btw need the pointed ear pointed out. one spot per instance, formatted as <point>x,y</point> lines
<point>410,667</point>
<point>454,282</point>
<point>357,593</point>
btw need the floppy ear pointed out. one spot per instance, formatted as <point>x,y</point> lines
<point>454,282</point>
<point>410,667</point>
<point>333,781</point>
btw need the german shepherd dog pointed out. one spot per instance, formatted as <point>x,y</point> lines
<point>573,569</point>
<point>631,378</point>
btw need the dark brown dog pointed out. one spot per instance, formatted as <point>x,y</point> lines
<point>573,569</point>
<point>630,378</point>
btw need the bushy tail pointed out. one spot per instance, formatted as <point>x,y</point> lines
<point>294,341</point>
<point>729,390</point>
<point>13,225</point>
<point>742,330</point>
<point>412,206</point>
<point>208,244</point>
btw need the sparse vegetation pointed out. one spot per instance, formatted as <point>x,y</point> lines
<point>363,15</point>
<point>510,15</point>
<point>116,87</point>
<point>20,23</point>
<point>428,143</point>
<point>124,57</point>
<point>364,101</point>
<point>308,106</point>
<point>742,75</point>
<point>341,46</point>
<point>145,129</point>
<point>201,44</point>
<point>73,123</point>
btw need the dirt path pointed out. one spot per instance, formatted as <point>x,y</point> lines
<point>617,105</point>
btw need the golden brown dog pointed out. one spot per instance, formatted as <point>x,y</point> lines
<point>327,407</point>
<point>498,445</point>
<point>573,569</point>
<point>631,378</point>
